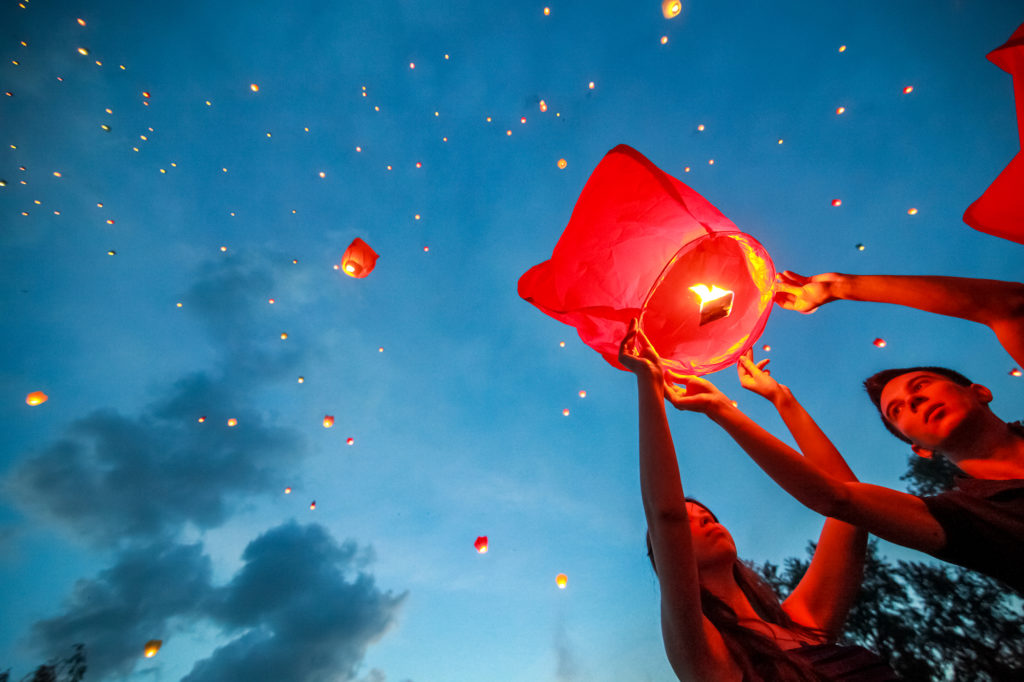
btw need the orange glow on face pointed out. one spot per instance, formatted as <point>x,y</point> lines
<point>36,398</point>
<point>481,544</point>
<point>671,8</point>
<point>328,421</point>
<point>561,580</point>
<point>152,646</point>
<point>879,342</point>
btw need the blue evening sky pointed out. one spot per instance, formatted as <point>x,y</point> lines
<point>123,518</point>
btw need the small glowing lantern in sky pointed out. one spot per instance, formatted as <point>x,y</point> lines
<point>359,259</point>
<point>1015,372</point>
<point>561,580</point>
<point>328,421</point>
<point>880,343</point>
<point>152,646</point>
<point>671,8</point>
<point>481,544</point>
<point>36,398</point>
<point>312,505</point>
<point>640,243</point>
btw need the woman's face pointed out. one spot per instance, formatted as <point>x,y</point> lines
<point>712,543</point>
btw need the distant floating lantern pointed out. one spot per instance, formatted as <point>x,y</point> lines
<point>359,259</point>
<point>543,106</point>
<point>350,441</point>
<point>664,40</point>
<point>671,8</point>
<point>701,127</point>
<point>201,419</point>
<point>837,202</point>
<point>842,48</point>
<point>911,211</point>
<point>583,394</point>
<point>547,11</point>
<point>254,87</point>
<point>152,646</point>
<point>907,90</point>
<point>312,505</point>
<point>284,335</point>
<point>36,398</point>
<point>591,85</point>
<point>328,421</point>
<point>145,94</point>
<point>766,348</point>
<point>288,490</point>
<point>481,544</point>
<point>841,110</point>
<point>648,246</point>
<point>880,343</point>
<point>562,163</point>
<point>1015,372</point>
<point>84,51</point>
<point>561,580</point>
<point>860,247</point>
<point>232,422</point>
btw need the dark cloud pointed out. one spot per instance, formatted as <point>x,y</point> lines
<point>123,607</point>
<point>302,608</point>
<point>115,478</point>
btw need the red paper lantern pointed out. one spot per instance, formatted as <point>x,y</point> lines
<point>359,259</point>
<point>481,544</point>
<point>640,243</point>
<point>1000,210</point>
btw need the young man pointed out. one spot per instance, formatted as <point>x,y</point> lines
<point>980,524</point>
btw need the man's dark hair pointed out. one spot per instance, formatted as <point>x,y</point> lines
<point>876,382</point>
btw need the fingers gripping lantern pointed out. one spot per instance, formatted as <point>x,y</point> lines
<point>640,243</point>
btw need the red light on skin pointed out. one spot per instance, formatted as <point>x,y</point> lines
<point>481,544</point>
<point>1015,372</point>
<point>880,343</point>
<point>837,202</point>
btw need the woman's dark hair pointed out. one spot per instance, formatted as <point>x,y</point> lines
<point>757,654</point>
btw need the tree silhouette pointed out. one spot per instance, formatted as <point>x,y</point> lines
<point>70,669</point>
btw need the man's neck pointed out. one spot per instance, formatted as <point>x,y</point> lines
<point>993,453</point>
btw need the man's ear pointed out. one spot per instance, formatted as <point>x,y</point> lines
<point>982,393</point>
<point>922,452</point>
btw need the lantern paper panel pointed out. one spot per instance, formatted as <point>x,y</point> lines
<point>636,243</point>
<point>1000,210</point>
<point>359,259</point>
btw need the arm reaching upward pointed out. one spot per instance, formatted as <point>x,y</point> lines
<point>694,646</point>
<point>996,304</point>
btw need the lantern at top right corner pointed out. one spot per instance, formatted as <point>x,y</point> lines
<point>642,244</point>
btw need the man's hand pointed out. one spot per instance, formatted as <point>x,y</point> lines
<point>697,395</point>
<point>804,294</point>
<point>754,377</point>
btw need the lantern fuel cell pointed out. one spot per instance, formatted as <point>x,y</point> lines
<point>715,303</point>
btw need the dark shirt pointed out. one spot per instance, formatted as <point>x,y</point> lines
<point>984,524</point>
<point>845,663</point>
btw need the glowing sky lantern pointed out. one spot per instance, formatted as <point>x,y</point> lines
<point>152,646</point>
<point>481,544</point>
<point>640,243</point>
<point>1015,372</point>
<point>1000,210</point>
<point>328,421</point>
<point>880,343</point>
<point>36,398</point>
<point>671,8</point>
<point>359,259</point>
<point>561,580</point>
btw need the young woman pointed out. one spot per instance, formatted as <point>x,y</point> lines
<point>719,620</point>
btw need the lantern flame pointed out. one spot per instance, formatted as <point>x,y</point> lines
<point>36,398</point>
<point>152,646</point>
<point>481,544</point>
<point>328,421</point>
<point>671,8</point>
<point>715,303</point>
<point>561,580</point>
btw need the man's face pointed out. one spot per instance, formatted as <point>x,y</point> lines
<point>928,408</point>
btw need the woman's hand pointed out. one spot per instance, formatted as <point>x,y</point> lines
<point>754,377</point>
<point>804,294</point>
<point>638,355</point>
